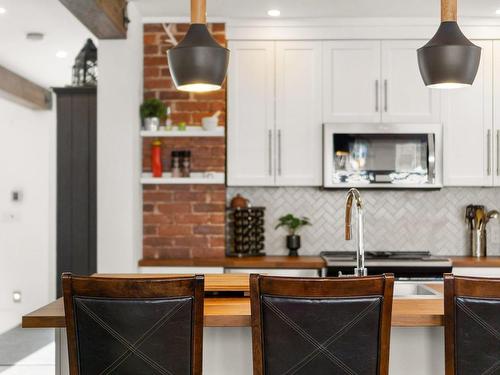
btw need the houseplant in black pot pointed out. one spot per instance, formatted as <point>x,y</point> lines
<point>293,224</point>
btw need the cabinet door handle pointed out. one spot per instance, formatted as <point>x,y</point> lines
<point>498,152</point>
<point>488,169</point>
<point>270,152</point>
<point>385,96</point>
<point>376,96</point>
<point>279,152</point>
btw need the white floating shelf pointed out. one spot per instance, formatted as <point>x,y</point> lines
<point>191,131</point>
<point>216,178</point>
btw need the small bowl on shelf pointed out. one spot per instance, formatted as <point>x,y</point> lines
<point>209,123</point>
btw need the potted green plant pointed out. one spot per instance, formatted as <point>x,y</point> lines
<point>152,110</point>
<point>293,224</point>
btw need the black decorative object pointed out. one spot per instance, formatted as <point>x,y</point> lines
<point>246,231</point>
<point>293,244</point>
<point>449,59</point>
<point>198,63</point>
<point>85,68</point>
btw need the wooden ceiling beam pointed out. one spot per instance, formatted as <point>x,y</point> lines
<point>106,19</point>
<point>22,91</point>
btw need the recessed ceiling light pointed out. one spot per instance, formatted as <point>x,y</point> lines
<point>3,10</point>
<point>274,12</point>
<point>62,54</point>
<point>498,11</point>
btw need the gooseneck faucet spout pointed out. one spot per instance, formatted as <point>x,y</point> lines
<point>353,196</point>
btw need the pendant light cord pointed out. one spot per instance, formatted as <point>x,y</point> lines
<point>198,11</point>
<point>448,10</point>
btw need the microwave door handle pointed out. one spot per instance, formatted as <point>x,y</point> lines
<point>432,158</point>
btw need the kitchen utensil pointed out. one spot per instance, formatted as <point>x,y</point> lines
<point>477,217</point>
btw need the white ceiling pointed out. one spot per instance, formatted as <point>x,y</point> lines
<point>37,61</point>
<point>317,8</point>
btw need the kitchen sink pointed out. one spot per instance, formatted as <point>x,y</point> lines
<point>404,289</point>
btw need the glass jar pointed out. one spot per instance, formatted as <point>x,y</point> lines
<point>176,164</point>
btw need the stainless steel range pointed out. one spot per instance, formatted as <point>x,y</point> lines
<point>405,265</point>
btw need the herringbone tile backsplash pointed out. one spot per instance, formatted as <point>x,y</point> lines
<point>394,220</point>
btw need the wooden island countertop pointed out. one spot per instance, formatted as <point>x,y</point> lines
<point>235,311</point>
<point>286,262</point>
<point>268,261</point>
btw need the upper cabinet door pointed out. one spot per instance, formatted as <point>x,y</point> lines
<point>351,81</point>
<point>468,128</point>
<point>404,95</point>
<point>250,133</point>
<point>298,114</point>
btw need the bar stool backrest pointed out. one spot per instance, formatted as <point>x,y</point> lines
<point>321,325</point>
<point>134,325</point>
<point>472,325</point>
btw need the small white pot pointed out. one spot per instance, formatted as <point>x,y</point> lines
<point>209,123</point>
<point>152,123</point>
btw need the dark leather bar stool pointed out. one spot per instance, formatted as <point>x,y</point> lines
<point>472,325</point>
<point>321,326</point>
<point>134,326</point>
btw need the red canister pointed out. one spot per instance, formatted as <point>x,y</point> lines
<point>156,158</point>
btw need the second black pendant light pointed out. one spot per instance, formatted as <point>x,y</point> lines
<point>198,63</point>
<point>449,59</point>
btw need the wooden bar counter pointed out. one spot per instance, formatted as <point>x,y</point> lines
<point>235,311</point>
<point>283,262</point>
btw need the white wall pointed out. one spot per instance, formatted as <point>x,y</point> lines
<point>27,242</point>
<point>119,194</point>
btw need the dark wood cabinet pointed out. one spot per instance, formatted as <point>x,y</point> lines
<point>76,181</point>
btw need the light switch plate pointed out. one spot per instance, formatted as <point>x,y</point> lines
<point>17,195</point>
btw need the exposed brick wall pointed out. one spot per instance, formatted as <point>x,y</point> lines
<point>188,107</point>
<point>183,220</point>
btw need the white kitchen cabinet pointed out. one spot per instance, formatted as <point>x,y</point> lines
<point>351,81</point>
<point>274,114</point>
<point>477,271</point>
<point>251,114</point>
<point>404,96</point>
<point>298,114</point>
<point>468,128</point>
<point>376,81</point>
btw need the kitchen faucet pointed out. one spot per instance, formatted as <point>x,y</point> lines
<point>354,195</point>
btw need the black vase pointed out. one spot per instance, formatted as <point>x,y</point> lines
<point>293,244</point>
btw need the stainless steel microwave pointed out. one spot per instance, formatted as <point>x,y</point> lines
<point>382,155</point>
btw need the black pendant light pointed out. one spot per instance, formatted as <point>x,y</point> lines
<point>198,63</point>
<point>449,59</point>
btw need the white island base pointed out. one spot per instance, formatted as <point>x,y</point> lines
<point>228,351</point>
